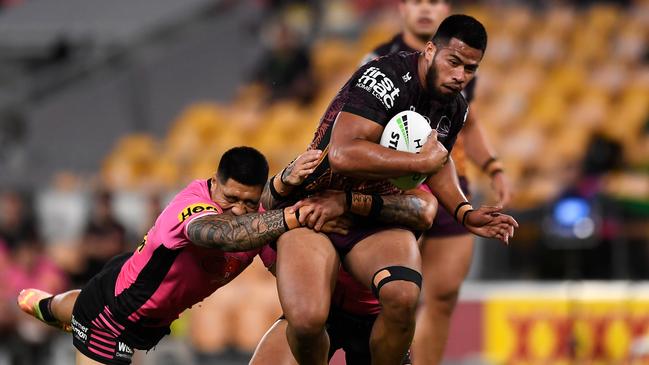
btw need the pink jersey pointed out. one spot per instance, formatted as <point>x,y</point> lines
<point>167,273</point>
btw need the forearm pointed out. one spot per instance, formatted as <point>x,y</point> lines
<point>240,233</point>
<point>275,192</point>
<point>446,187</point>
<point>368,160</point>
<point>415,210</point>
<point>477,147</point>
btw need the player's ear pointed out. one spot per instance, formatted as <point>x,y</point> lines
<point>216,180</point>
<point>429,51</point>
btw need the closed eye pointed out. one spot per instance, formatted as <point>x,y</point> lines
<point>230,198</point>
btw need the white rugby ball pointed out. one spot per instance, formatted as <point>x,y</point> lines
<point>407,131</point>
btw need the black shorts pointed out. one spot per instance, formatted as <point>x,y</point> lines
<point>351,333</point>
<point>444,224</point>
<point>99,330</point>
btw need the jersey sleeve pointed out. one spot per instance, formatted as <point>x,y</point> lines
<point>375,92</point>
<point>196,210</point>
<point>178,215</point>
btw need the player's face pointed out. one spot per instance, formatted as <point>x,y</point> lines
<point>236,198</point>
<point>452,66</point>
<point>421,17</point>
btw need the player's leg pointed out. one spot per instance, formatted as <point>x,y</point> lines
<point>273,347</point>
<point>446,264</point>
<point>54,310</point>
<point>389,261</point>
<point>307,265</point>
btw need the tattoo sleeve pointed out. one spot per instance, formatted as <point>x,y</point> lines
<point>237,233</point>
<point>267,200</point>
<point>408,210</point>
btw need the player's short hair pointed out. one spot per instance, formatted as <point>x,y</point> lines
<point>244,165</point>
<point>463,27</point>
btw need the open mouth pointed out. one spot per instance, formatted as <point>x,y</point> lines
<point>425,21</point>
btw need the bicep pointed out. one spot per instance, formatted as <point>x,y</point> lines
<point>349,127</point>
<point>206,230</point>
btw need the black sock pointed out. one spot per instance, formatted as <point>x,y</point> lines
<point>46,311</point>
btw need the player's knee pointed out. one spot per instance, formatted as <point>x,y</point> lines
<point>442,292</point>
<point>308,321</point>
<point>397,288</point>
<point>399,295</point>
<point>443,301</point>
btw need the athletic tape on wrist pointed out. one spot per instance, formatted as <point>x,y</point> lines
<point>465,214</point>
<point>273,192</point>
<point>284,220</point>
<point>457,209</point>
<point>297,216</point>
<point>377,205</point>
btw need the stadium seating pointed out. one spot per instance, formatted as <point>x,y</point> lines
<point>548,82</point>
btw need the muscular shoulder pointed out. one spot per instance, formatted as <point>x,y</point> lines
<point>380,85</point>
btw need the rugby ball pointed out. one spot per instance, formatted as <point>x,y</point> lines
<point>407,131</point>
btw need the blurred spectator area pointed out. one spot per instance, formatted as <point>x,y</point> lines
<point>84,74</point>
<point>550,81</point>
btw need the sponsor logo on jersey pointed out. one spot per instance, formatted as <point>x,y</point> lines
<point>80,331</point>
<point>377,83</point>
<point>406,77</point>
<point>140,247</point>
<point>122,347</point>
<point>195,209</point>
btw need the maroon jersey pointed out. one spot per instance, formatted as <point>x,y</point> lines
<point>377,91</point>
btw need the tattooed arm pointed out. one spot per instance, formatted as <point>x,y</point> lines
<point>240,233</point>
<point>415,209</point>
<point>280,186</point>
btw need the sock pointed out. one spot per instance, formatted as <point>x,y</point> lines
<point>46,311</point>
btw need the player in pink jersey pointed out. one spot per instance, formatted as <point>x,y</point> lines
<point>168,300</point>
<point>205,237</point>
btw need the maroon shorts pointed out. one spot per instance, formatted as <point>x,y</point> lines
<point>345,243</point>
<point>444,224</point>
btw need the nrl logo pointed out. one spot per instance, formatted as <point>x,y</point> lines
<point>443,127</point>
